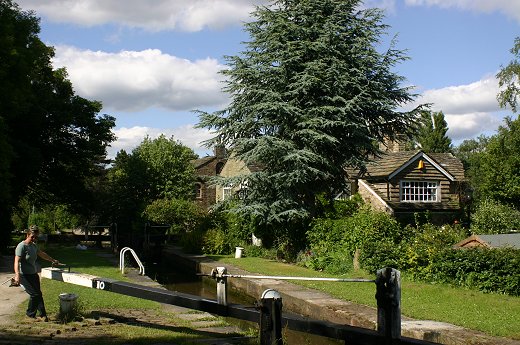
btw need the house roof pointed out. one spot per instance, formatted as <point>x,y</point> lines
<point>390,163</point>
<point>197,163</point>
<point>491,241</point>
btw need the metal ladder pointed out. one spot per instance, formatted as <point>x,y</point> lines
<point>122,260</point>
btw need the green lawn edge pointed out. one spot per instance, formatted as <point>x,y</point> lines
<point>96,262</point>
<point>493,314</point>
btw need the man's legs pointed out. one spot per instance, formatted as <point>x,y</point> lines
<point>31,283</point>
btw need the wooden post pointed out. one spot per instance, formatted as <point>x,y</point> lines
<point>221,285</point>
<point>271,318</point>
<point>388,296</point>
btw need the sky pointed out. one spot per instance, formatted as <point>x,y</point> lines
<point>151,63</point>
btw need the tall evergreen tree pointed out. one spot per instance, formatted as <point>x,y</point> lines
<point>310,94</point>
<point>432,133</point>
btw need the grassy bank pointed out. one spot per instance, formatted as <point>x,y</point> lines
<point>497,315</point>
<point>158,327</point>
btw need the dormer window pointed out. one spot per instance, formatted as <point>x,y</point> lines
<point>420,191</point>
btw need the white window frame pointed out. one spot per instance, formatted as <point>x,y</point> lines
<point>226,193</point>
<point>416,191</point>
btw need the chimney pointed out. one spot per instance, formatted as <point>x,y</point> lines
<point>220,151</point>
<point>394,145</point>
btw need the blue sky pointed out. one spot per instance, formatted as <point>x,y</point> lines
<point>151,63</point>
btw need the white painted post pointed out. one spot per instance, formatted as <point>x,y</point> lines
<point>221,285</point>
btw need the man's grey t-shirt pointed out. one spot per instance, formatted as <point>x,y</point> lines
<point>28,254</point>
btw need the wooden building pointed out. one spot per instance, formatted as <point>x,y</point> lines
<point>403,183</point>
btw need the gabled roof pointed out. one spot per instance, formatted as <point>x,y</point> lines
<point>389,164</point>
<point>491,241</point>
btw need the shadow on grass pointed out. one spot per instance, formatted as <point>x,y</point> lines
<point>100,333</point>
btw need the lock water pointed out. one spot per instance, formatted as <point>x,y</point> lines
<point>188,282</point>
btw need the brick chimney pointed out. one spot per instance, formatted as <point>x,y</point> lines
<point>220,152</point>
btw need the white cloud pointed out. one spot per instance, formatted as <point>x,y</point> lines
<point>129,138</point>
<point>137,80</point>
<point>470,110</point>
<point>188,15</point>
<point>510,8</point>
<point>479,96</point>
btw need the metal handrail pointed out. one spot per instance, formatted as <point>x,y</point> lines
<point>345,280</point>
<point>122,260</point>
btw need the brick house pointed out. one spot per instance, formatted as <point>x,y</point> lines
<point>205,168</point>
<point>403,183</point>
<point>234,167</point>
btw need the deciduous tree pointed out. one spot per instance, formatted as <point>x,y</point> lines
<point>509,77</point>
<point>158,169</point>
<point>500,165</point>
<point>53,140</point>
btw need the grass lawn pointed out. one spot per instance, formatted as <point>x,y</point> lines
<point>162,327</point>
<point>494,314</point>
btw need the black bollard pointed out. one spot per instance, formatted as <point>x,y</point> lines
<point>271,318</point>
<point>388,296</point>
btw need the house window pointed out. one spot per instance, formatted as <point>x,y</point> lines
<point>198,191</point>
<point>419,191</point>
<point>226,193</point>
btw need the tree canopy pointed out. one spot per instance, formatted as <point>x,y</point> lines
<point>509,77</point>
<point>431,134</point>
<point>310,94</point>
<point>52,139</point>
<point>158,169</point>
<point>500,165</point>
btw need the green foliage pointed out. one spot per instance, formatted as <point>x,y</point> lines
<point>432,133</point>
<point>330,259</point>
<point>182,215</point>
<point>215,242</point>
<point>157,174</point>
<point>492,217</point>
<point>509,77</point>
<point>375,234</point>
<point>169,171</point>
<point>488,270</point>
<point>310,94</point>
<point>259,252</point>
<point>500,165</point>
<point>424,243</point>
<point>53,141</point>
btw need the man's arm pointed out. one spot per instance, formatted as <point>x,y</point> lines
<point>46,256</point>
<point>16,268</point>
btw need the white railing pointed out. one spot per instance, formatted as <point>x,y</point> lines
<point>122,260</point>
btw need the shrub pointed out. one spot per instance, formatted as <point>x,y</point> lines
<point>376,234</point>
<point>192,242</point>
<point>492,217</point>
<point>423,243</point>
<point>260,252</point>
<point>215,242</point>
<point>488,270</point>
<point>334,260</point>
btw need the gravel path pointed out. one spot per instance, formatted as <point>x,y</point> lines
<point>11,297</point>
